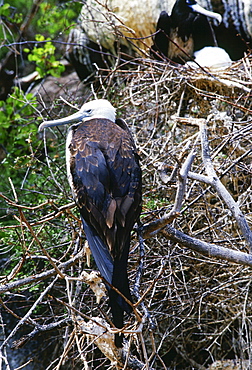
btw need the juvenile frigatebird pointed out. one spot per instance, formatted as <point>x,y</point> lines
<point>188,27</point>
<point>105,178</point>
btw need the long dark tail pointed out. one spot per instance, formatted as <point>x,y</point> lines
<point>115,272</point>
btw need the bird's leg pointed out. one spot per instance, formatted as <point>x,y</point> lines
<point>213,35</point>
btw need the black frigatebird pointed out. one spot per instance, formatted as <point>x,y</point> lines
<point>188,27</point>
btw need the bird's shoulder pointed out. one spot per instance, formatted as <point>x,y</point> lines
<point>101,134</point>
<point>164,22</point>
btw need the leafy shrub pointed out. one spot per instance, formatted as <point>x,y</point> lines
<point>44,57</point>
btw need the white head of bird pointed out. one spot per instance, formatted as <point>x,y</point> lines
<point>195,7</point>
<point>100,108</point>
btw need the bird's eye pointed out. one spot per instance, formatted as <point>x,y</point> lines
<point>89,111</point>
<point>190,2</point>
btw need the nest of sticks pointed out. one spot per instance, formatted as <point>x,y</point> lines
<point>193,131</point>
<point>201,305</point>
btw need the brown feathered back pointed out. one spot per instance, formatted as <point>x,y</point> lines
<point>106,180</point>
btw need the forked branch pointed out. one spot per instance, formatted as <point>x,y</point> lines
<point>211,179</point>
<point>220,188</point>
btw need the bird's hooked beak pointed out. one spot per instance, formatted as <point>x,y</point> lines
<point>76,117</point>
<point>199,9</point>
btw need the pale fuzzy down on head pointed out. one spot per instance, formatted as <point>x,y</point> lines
<point>100,108</point>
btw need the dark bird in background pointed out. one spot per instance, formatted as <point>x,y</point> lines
<point>105,178</point>
<point>188,27</point>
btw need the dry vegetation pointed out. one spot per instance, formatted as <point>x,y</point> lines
<point>199,304</point>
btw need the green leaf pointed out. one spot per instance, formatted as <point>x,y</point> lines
<point>39,37</point>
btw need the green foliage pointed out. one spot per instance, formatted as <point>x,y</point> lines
<point>30,175</point>
<point>18,135</point>
<point>52,20</point>
<point>55,18</point>
<point>6,11</point>
<point>155,203</point>
<point>12,15</point>
<point>44,57</point>
<point>25,162</point>
<point>15,131</point>
<point>18,126</point>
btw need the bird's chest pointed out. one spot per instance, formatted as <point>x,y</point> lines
<point>181,46</point>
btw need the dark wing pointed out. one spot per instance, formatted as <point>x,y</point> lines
<point>190,31</point>
<point>161,41</point>
<point>100,252</point>
<point>106,180</point>
<point>89,177</point>
<point>178,28</point>
<point>202,32</point>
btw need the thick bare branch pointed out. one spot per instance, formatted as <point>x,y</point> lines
<point>220,188</point>
<point>39,277</point>
<point>207,249</point>
<point>182,180</point>
<point>38,330</point>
